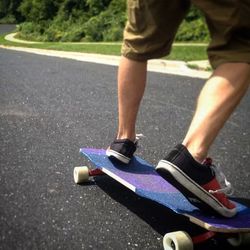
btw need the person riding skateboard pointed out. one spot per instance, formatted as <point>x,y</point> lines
<point>149,34</point>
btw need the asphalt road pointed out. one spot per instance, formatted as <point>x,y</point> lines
<point>49,108</point>
<point>7,28</point>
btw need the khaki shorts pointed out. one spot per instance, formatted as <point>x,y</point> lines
<point>152,25</point>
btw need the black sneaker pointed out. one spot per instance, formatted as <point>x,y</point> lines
<point>196,181</point>
<point>122,150</point>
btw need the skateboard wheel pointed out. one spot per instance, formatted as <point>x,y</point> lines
<point>81,174</point>
<point>241,239</point>
<point>179,240</point>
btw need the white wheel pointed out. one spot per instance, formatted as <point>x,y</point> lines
<point>179,240</point>
<point>81,174</point>
<point>241,239</point>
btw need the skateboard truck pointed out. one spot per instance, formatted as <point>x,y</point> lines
<point>83,174</point>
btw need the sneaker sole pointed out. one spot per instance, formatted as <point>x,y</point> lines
<point>120,157</point>
<point>184,183</point>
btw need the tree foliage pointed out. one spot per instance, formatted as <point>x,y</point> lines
<point>9,10</point>
<point>83,20</point>
<point>35,10</point>
<point>193,27</point>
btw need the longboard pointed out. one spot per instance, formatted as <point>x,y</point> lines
<point>141,177</point>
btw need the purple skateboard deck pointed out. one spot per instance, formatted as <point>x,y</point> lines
<point>141,178</point>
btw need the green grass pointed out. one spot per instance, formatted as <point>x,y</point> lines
<point>188,53</point>
<point>183,53</point>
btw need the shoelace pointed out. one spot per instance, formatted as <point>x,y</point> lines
<point>221,178</point>
<point>137,138</point>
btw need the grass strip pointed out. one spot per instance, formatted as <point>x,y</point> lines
<point>179,52</point>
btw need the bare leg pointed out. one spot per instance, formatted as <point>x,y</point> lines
<point>218,98</point>
<point>131,86</point>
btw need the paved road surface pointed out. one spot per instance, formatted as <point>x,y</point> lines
<point>49,108</point>
<point>6,28</point>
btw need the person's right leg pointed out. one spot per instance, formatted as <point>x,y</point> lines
<point>229,55</point>
<point>217,100</point>
<point>184,165</point>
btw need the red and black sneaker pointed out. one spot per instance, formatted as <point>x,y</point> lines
<point>122,150</point>
<point>201,184</point>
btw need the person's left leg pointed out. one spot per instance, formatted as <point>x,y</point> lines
<point>149,34</point>
<point>131,86</point>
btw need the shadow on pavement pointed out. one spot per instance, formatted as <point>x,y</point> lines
<point>160,218</point>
